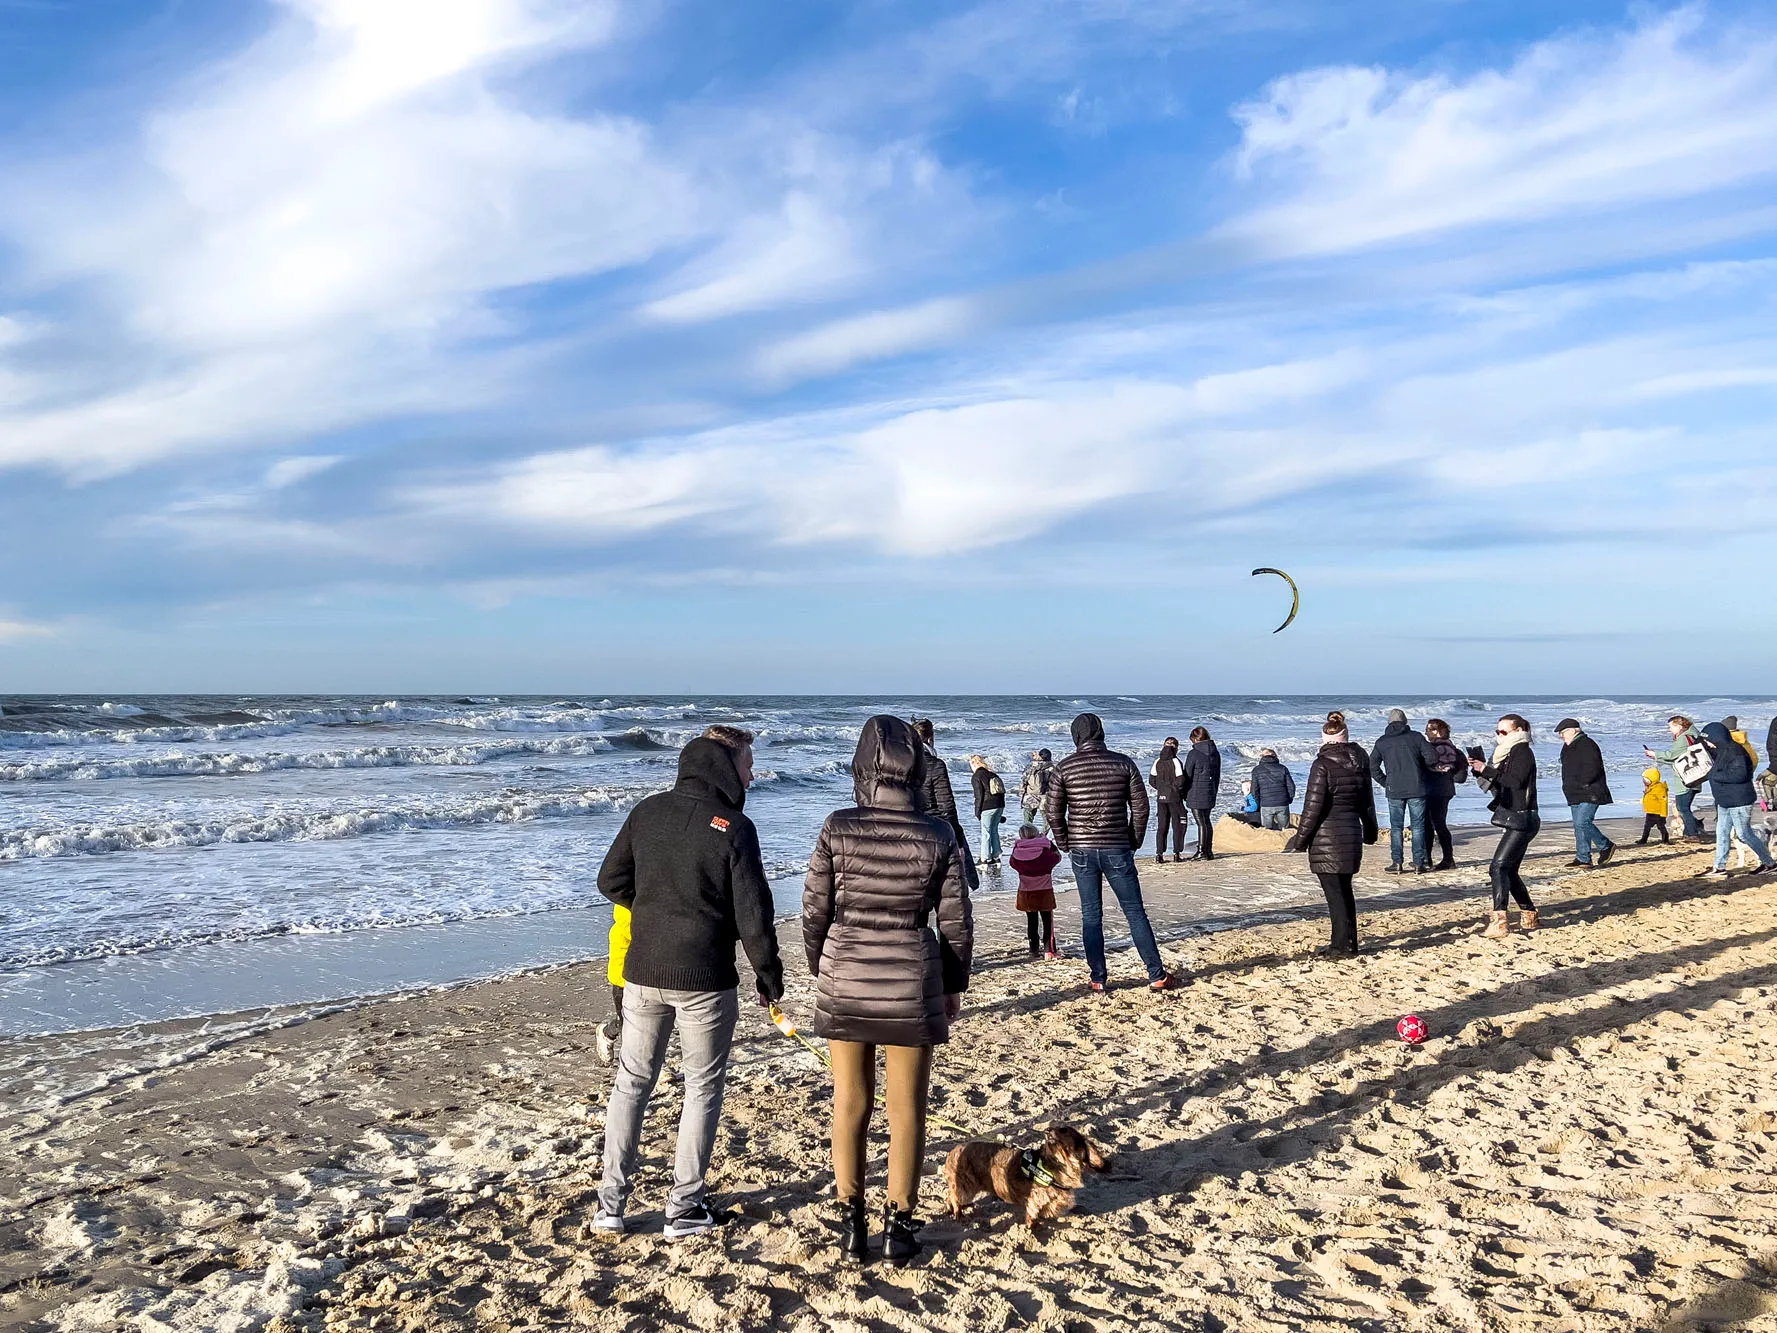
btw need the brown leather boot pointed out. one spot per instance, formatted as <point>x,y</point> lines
<point>1527,919</point>
<point>1498,928</point>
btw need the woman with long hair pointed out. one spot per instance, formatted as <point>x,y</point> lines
<point>1203,781</point>
<point>889,933</point>
<point>1338,821</point>
<point>1440,790</point>
<point>1511,778</point>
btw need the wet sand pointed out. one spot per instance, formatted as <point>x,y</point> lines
<point>1585,1142</point>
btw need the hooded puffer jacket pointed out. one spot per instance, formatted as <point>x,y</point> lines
<point>1338,811</point>
<point>1730,772</point>
<point>1273,784</point>
<point>882,875</point>
<point>1203,775</point>
<point>937,798</point>
<point>1096,796</point>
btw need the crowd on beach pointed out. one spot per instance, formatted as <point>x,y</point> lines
<point>888,918</point>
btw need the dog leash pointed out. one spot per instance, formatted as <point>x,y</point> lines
<point>781,1021</point>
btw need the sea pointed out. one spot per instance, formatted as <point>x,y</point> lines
<point>179,856</point>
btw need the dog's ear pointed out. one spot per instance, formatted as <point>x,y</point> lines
<point>1100,1159</point>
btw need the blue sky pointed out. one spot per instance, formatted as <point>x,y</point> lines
<point>562,345</point>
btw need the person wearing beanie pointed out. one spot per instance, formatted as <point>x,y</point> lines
<point>1402,761</point>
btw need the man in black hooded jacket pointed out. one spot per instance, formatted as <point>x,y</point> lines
<point>687,865</point>
<point>1098,814</point>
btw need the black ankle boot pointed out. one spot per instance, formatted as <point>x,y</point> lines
<point>854,1232</point>
<point>900,1240</point>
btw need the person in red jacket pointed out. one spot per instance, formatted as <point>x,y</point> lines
<point>1034,858</point>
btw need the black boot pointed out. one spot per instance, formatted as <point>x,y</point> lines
<point>854,1232</point>
<point>900,1240</point>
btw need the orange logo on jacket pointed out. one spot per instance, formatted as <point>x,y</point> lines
<point>719,824</point>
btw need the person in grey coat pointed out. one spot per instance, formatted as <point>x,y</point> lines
<point>1275,786</point>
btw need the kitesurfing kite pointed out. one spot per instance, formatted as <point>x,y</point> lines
<point>1295,595</point>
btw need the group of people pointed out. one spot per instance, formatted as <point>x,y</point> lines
<point>887,918</point>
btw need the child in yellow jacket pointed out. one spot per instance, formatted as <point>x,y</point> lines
<point>610,1033</point>
<point>1654,805</point>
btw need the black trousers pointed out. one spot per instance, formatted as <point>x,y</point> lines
<point>1205,835</point>
<point>1655,824</point>
<point>1169,816</point>
<point>1044,921</point>
<point>1342,907</point>
<point>1437,825</point>
<point>617,1007</point>
<point>1508,857</point>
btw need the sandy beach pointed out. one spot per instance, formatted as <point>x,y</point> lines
<point>1585,1142</point>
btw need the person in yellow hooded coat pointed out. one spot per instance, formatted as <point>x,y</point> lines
<point>609,1031</point>
<point>1654,803</point>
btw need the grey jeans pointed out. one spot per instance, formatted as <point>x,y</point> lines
<point>1274,816</point>
<point>705,1020</point>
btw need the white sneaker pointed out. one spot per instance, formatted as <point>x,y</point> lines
<point>696,1222</point>
<point>604,1042</point>
<point>610,1223</point>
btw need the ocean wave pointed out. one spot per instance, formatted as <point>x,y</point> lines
<point>307,826</point>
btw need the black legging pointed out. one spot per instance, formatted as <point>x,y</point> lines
<point>1047,939</point>
<point>1205,836</point>
<point>1173,817</point>
<point>1507,857</point>
<point>1342,908</point>
<point>1437,825</point>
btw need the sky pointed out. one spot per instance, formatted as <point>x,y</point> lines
<point>846,345</point>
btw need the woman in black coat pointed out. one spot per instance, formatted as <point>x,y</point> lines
<point>889,933</point>
<point>1203,781</point>
<point>1511,777</point>
<point>1338,821</point>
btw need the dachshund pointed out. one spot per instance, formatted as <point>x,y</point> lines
<point>1041,1182</point>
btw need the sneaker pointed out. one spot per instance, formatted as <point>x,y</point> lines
<point>611,1224</point>
<point>1577,864</point>
<point>1445,864</point>
<point>1170,981</point>
<point>699,1220</point>
<point>1606,854</point>
<point>1098,988</point>
<point>604,1042</point>
<point>1711,874</point>
<point>1053,955</point>
<point>1392,868</point>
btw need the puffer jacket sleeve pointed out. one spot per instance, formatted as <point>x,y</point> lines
<point>817,900</point>
<point>1055,808</point>
<point>1314,808</point>
<point>1138,808</point>
<point>955,922</point>
<point>1289,787</point>
<point>754,912</point>
<point>1367,810</point>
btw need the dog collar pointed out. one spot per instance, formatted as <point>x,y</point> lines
<point>1032,1168</point>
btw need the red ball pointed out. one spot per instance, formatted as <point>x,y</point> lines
<point>1411,1029</point>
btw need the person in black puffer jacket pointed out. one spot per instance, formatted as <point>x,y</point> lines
<point>1338,821</point>
<point>1203,783</point>
<point>1098,814</point>
<point>1730,782</point>
<point>1511,776</point>
<point>1275,786</point>
<point>938,799</point>
<point>889,932</point>
<point>1168,777</point>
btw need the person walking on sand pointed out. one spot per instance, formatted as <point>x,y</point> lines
<point>1098,815</point>
<point>1584,784</point>
<point>1402,761</point>
<point>990,806</point>
<point>1275,786</point>
<point>1684,735</point>
<point>1511,777</point>
<point>1730,782</point>
<point>1034,789</point>
<point>686,864</point>
<point>940,800</point>
<point>1654,807</point>
<point>1440,789</point>
<point>1167,777</point>
<point>1338,821</point>
<point>888,928</point>
<point>1034,858</point>
<point>1203,783</point>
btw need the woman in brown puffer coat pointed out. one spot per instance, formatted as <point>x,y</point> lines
<point>888,928</point>
<point>1338,821</point>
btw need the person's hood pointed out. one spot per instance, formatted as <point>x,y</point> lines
<point>1204,747</point>
<point>1717,735</point>
<point>1342,753</point>
<point>888,764</point>
<point>1394,729</point>
<point>1088,729</point>
<point>1045,756</point>
<point>1169,752</point>
<point>710,765</point>
<point>1029,847</point>
<point>1269,760</point>
<point>1650,775</point>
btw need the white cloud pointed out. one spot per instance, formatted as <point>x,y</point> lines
<point>1356,156</point>
<point>842,343</point>
<point>16,631</point>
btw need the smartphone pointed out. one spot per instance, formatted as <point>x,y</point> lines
<point>1474,752</point>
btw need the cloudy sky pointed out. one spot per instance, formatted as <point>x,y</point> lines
<point>563,345</point>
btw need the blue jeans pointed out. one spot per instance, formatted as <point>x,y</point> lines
<point>1092,866</point>
<point>1692,825</point>
<point>990,834</point>
<point>1737,819</point>
<point>1586,837</point>
<point>1413,809</point>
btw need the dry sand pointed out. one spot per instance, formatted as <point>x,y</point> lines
<point>1586,1142</point>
